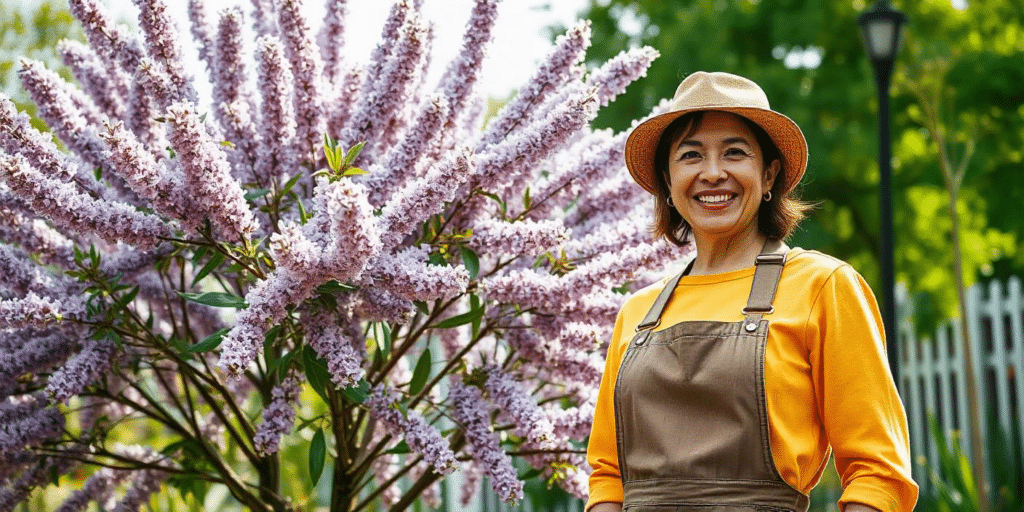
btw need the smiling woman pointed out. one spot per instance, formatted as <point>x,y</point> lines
<point>748,369</point>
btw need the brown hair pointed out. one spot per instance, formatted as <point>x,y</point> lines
<point>776,219</point>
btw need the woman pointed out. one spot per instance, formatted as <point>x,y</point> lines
<point>727,387</point>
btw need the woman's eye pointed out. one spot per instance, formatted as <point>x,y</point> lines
<point>735,152</point>
<point>688,155</point>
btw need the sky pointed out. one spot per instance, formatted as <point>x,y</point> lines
<point>520,37</point>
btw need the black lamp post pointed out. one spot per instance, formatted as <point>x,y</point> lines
<point>882,31</point>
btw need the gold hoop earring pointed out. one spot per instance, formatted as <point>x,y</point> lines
<point>767,196</point>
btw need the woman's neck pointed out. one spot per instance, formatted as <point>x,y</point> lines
<point>717,255</point>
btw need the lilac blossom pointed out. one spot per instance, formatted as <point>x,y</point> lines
<point>557,69</point>
<point>34,353</point>
<point>31,427</point>
<point>332,38</point>
<point>520,152</point>
<point>201,30</point>
<point>98,487</point>
<point>571,423</point>
<point>150,179</point>
<point>164,47</point>
<point>32,311</point>
<point>95,79</point>
<point>111,42</point>
<point>231,97</point>
<point>384,469</point>
<point>277,126</point>
<point>423,197</point>
<point>65,207</point>
<point>462,73</point>
<point>526,287</point>
<point>36,237</point>
<point>208,175</point>
<point>580,336</point>
<point>330,342</point>
<point>408,275</point>
<point>613,76</point>
<point>307,70</point>
<point>526,237</point>
<point>469,411</point>
<point>264,21</point>
<point>267,300</point>
<point>471,475</point>
<point>413,428</point>
<point>81,370</point>
<point>528,419</point>
<point>344,100</point>
<point>19,274</point>
<point>602,155</point>
<point>376,305</point>
<point>351,238</point>
<point>405,159</point>
<point>68,112</point>
<point>278,415</point>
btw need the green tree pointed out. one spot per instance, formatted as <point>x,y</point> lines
<point>809,59</point>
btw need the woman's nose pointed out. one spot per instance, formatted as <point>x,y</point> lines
<point>712,171</point>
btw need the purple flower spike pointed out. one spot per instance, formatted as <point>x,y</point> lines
<point>278,416</point>
<point>231,97</point>
<point>407,275</point>
<point>328,339</point>
<point>404,160</point>
<point>423,197</point>
<point>307,68</point>
<point>208,175</point>
<point>111,42</point>
<point>98,487</point>
<point>30,311</point>
<point>67,208</point>
<point>264,21</point>
<point>81,370</point>
<point>95,78</point>
<point>165,48</point>
<point>201,31</point>
<point>613,76</point>
<point>462,73</point>
<point>556,70</point>
<point>351,237</point>
<point>162,187</point>
<point>469,410</point>
<point>526,237</point>
<point>332,38</point>
<point>413,428</point>
<point>513,401</point>
<point>274,156</point>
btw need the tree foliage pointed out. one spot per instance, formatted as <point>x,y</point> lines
<point>809,59</point>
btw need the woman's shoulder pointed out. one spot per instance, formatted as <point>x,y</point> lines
<point>814,267</point>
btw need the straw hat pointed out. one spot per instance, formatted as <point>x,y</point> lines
<point>723,92</point>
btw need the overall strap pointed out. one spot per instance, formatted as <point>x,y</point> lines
<point>767,271</point>
<point>653,317</point>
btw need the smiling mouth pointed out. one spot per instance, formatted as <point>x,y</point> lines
<point>713,200</point>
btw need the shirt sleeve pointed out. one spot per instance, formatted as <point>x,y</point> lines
<point>861,409</point>
<point>602,450</point>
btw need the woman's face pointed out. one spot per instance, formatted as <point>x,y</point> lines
<point>717,177</point>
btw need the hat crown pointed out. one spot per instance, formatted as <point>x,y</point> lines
<point>703,90</point>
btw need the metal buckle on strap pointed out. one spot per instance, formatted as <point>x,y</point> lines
<point>750,311</point>
<point>647,327</point>
<point>771,259</point>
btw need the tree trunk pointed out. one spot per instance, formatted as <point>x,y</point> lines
<point>977,447</point>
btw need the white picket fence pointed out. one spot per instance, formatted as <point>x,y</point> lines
<point>932,377</point>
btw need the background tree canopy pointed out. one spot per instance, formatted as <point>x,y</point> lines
<point>809,59</point>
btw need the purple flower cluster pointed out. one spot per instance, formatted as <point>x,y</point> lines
<point>613,76</point>
<point>278,416</point>
<point>164,47</point>
<point>99,487</point>
<point>208,175</point>
<point>307,69</point>
<point>81,370</point>
<point>328,339</point>
<point>332,39</point>
<point>408,275</point>
<point>413,428</point>
<point>469,410</point>
<point>277,129</point>
<point>527,237</point>
<point>528,420</point>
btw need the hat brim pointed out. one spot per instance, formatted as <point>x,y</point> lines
<point>642,143</point>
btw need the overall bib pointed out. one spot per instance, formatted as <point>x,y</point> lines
<point>690,416</point>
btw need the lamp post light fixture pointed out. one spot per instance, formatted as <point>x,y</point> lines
<point>882,30</point>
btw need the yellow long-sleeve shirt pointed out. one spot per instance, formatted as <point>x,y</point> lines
<point>827,380</point>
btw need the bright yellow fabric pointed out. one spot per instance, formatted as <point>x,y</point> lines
<point>827,379</point>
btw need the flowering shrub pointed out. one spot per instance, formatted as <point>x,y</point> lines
<point>441,283</point>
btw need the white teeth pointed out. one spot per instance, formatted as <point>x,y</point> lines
<point>713,199</point>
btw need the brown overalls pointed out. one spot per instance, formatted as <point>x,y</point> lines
<point>690,417</point>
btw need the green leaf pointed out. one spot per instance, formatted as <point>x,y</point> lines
<point>421,307</point>
<point>527,200</point>
<point>421,373</point>
<point>227,143</point>
<point>353,152</point>
<point>290,183</point>
<point>462,319</point>
<point>215,299</point>
<point>210,342</point>
<point>358,393</point>
<point>98,173</point>
<point>399,449</point>
<point>354,171</point>
<point>317,456</point>
<point>255,194</point>
<point>316,372</point>
<point>476,305</point>
<point>126,299</point>
<point>531,474</point>
<point>435,258</point>
<point>210,266</point>
<point>470,261</point>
